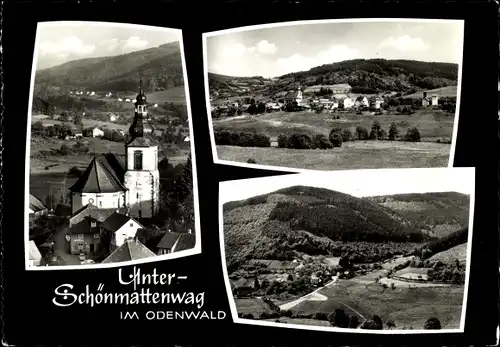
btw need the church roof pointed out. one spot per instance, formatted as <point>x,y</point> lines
<point>99,177</point>
<point>130,250</point>
<point>142,142</point>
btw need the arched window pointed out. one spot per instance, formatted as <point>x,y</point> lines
<point>137,160</point>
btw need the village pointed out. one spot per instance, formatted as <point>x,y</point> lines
<point>329,98</point>
<point>112,210</point>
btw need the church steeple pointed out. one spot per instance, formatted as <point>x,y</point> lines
<point>141,125</point>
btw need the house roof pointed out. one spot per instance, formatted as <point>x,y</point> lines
<point>99,177</point>
<point>360,98</point>
<point>34,253</point>
<point>185,241</point>
<point>92,211</point>
<point>292,95</point>
<point>168,240</point>
<point>35,204</point>
<point>83,227</point>
<point>130,250</point>
<point>116,221</point>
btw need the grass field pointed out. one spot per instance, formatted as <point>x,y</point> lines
<point>352,155</point>
<point>432,124</point>
<point>408,307</point>
<point>449,91</point>
<point>254,306</point>
<point>458,252</point>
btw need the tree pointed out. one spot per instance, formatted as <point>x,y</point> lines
<point>378,322</point>
<point>393,132</point>
<point>339,319</point>
<point>432,324</point>
<point>256,284</point>
<point>336,139</point>
<point>78,120</point>
<point>412,135</point>
<point>362,133</point>
<point>376,131</point>
<point>354,322</point>
<point>390,324</point>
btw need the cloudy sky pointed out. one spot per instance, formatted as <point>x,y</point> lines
<point>276,51</point>
<point>358,182</point>
<point>60,42</point>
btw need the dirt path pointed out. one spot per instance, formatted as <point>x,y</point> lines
<point>313,295</point>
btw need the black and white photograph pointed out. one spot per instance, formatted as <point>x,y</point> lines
<point>384,251</point>
<point>335,94</point>
<point>110,171</point>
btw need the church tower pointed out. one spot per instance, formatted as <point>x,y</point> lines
<point>142,178</point>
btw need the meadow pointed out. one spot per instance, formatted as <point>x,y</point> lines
<point>352,155</point>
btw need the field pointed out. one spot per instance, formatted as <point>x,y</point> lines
<point>458,252</point>
<point>432,124</point>
<point>353,155</point>
<point>450,91</point>
<point>407,307</point>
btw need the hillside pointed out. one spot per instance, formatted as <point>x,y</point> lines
<point>364,76</point>
<point>314,221</point>
<point>436,213</point>
<point>160,68</point>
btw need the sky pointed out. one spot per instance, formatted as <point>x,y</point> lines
<point>276,51</point>
<point>60,42</point>
<point>359,183</point>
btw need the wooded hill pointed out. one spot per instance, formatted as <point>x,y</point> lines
<point>363,75</point>
<point>319,221</point>
<point>160,68</point>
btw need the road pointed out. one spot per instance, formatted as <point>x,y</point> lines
<point>60,248</point>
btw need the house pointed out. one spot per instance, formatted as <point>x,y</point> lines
<point>131,249</point>
<point>184,130</point>
<point>113,117</point>
<point>155,105</point>
<point>429,101</point>
<point>120,227</point>
<point>100,184</point>
<point>186,139</point>
<point>120,99</point>
<point>35,257</point>
<point>92,93</point>
<point>376,102</point>
<point>174,242</point>
<point>85,236</point>
<point>127,100</point>
<point>295,96</point>
<point>242,286</point>
<point>36,208</point>
<point>361,101</point>
<point>96,132</point>
<point>348,102</point>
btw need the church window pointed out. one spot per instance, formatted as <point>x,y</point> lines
<point>137,160</point>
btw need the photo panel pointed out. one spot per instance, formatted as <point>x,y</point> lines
<point>366,251</point>
<point>110,165</point>
<point>335,94</point>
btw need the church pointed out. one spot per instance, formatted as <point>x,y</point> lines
<point>133,185</point>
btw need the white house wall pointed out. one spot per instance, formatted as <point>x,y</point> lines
<point>149,158</point>
<point>128,230</point>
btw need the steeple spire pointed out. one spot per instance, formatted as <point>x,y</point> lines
<point>140,125</point>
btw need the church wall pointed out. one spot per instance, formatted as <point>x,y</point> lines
<point>149,158</point>
<point>101,200</point>
<point>143,193</point>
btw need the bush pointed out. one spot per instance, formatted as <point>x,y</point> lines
<point>339,319</point>
<point>390,324</point>
<point>286,313</point>
<point>299,141</point>
<point>283,141</point>
<point>432,324</point>
<point>243,139</point>
<point>320,316</point>
<point>336,140</point>
<point>321,142</point>
<point>393,132</point>
<point>251,161</point>
<point>74,171</point>
<point>361,133</point>
<point>412,135</point>
<point>65,150</point>
<point>346,135</point>
<point>354,322</point>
